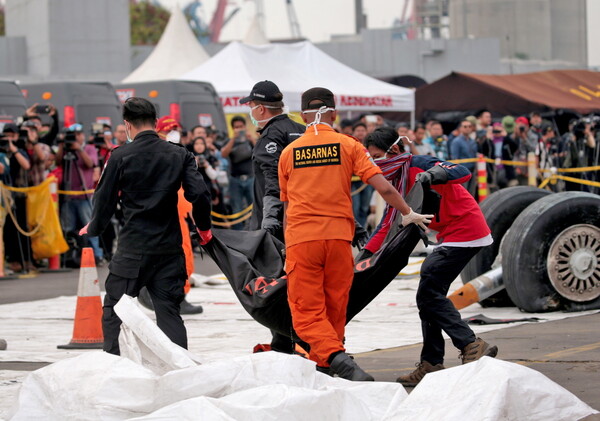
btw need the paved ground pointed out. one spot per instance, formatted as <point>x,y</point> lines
<point>567,351</point>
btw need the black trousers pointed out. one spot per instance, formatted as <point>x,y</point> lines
<point>17,247</point>
<point>437,312</point>
<point>163,275</point>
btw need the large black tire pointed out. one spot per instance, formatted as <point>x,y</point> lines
<point>500,210</point>
<point>527,244</point>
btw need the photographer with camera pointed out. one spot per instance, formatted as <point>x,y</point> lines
<point>4,167</point>
<point>102,139</point>
<point>33,114</point>
<point>77,161</point>
<point>241,182</point>
<point>207,166</point>
<point>581,151</point>
<point>38,154</point>
<point>527,141</point>
<point>18,246</point>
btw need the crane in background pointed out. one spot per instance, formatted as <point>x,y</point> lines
<point>294,25</point>
<point>211,32</point>
<point>292,18</point>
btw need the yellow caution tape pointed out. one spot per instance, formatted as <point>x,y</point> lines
<point>230,223</point>
<point>571,179</point>
<point>235,215</point>
<point>463,161</point>
<point>75,192</point>
<point>580,169</point>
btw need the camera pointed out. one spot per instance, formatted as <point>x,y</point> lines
<point>4,144</point>
<point>98,134</point>
<point>522,129</point>
<point>22,139</point>
<point>201,160</point>
<point>68,139</point>
<point>592,120</point>
<point>42,109</point>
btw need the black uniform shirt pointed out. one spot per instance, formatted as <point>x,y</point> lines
<point>279,132</point>
<point>145,176</point>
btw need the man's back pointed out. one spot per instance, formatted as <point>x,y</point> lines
<point>145,176</point>
<point>315,173</point>
<point>276,135</point>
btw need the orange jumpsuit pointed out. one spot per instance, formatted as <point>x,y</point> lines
<point>314,177</point>
<point>183,208</point>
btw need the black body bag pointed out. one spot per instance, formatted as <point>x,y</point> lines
<point>253,263</point>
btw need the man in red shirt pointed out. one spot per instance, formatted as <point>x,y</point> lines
<point>462,232</point>
<point>314,179</point>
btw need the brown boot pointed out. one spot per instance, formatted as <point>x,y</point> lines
<point>477,349</point>
<point>412,379</point>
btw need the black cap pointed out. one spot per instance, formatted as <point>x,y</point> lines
<point>265,91</point>
<point>10,127</point>
<point>325,96</point>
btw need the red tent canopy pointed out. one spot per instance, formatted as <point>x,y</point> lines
<point>573,90</point>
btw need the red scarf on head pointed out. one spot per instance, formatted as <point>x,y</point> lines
<point>395,170</point>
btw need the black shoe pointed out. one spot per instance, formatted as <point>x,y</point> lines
<point>346,368</point>
<point>325,370</point>
<point>145,299</point>
<point>188,308</point>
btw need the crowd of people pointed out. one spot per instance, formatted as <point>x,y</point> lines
<point>110,190</point>
<point>506,141</point>
<point>36,148</point>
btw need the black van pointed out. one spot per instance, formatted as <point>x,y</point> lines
<point>77,102</point>
<point>190,103</point>
<point>12,103</point>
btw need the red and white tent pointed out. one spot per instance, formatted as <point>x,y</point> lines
<point>295,68</point>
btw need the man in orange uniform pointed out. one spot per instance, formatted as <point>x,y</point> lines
<point>314,177</point>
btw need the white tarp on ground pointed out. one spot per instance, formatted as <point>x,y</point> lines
<point>272,386</point>
<point>177,52</point>
<point>34,329</point>
<point>295,68</point>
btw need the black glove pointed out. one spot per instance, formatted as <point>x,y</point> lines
<point>271,225</point>
<point>361,237</point>
<point>434,175</point>
<point>272,209</point>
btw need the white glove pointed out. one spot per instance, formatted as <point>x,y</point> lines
<point>416,218</point>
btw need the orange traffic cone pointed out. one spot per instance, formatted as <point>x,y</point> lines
<point>87,329</point>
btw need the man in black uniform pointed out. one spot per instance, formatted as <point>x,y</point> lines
<point>144,176</point>
<point>276,131</point>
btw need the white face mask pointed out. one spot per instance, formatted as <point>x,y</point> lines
<point>173,136</point>
<point>256,122</point>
